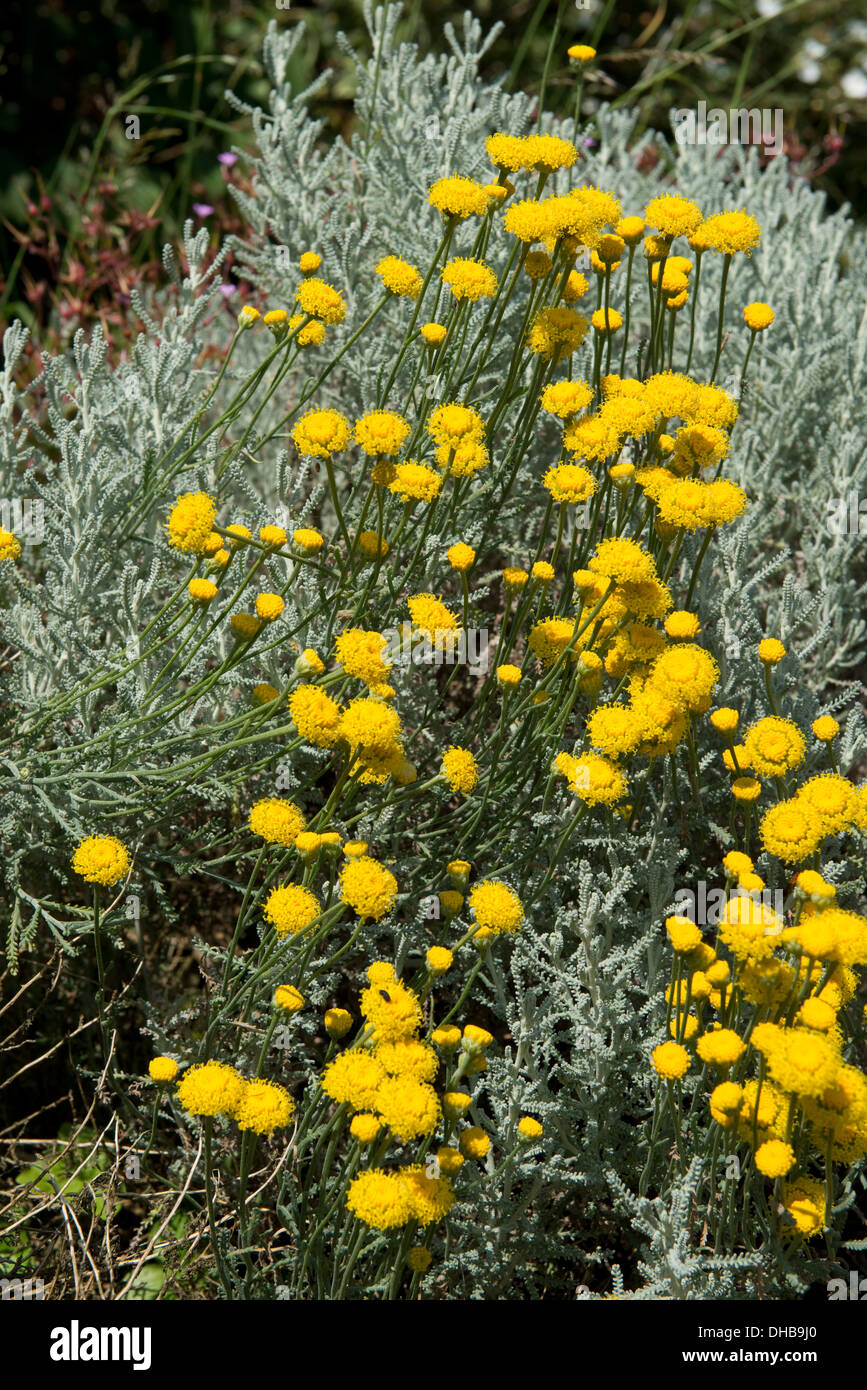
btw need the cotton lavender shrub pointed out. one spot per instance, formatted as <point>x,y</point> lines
<point>480,630</point>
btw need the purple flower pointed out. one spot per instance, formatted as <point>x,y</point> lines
<point>227,291</point>
<point>227,158</point>
<point>589,142</point>
<point>202,209</point>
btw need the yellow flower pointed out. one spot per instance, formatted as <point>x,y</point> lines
<point>758,316</point>
<point>446,1037</point>
<point>315,715</point>
<point>474,1142</point>
<point>210,1088</point>
<point>10,546</point>
<point>321,433</point>
<point>430,1199</point>
<point>458,197</point>
<point>264,1106</point>
<point>792,831</point>
<point>354,1078</point>
<point>277,821</point>
<point>804,1200</point>
<point>672,215</point>
<point>721,1048</point>
<point>288,998</point>
<point>365,1128</point>
<point>581,52</point>
<point>731,231</point>
<point>469,279</point>
<point>360,653</point>
<point>381,432</point>
<point>433,333</point>
<point>101,859</point>
<point>308,540</point>
<point>686,674</point>
<point>415,482</point>
<point>826,728</point>
<point>439,960</point>
<point>461,557</point>
<point>670,1060</point>
<point>309,262</point>
<point>451,423</point>
<point>368,888</point>
<point>460,770</point>
<point>409,1107</point>
<point>496,906</point>
<point>419,1259</point>
<point>379,1199</point>
<point>569,482</point>
<point>162,1068</point>
<point>320,300</point>
<point>291,909</point>
<point>269,607</point>
<point>725,720</point>
<point>389,1007</point>
<point>399,277</point>
<point>683,934</point>
<point>337,1022</point>
<point>191,522</point>
<point>832,798</point>
<point>529,1128</point>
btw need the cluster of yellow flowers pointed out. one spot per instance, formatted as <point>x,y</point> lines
<point>761,1009</point>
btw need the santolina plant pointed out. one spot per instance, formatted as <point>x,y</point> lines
<point>553,1073</point>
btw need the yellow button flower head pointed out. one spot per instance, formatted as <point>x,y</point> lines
<point>365,1128</point>
<point>291,909</point>
<point>450,1160</point>
<point>431,616</point>
<point>469,279</point>
<point>264,1107</point>
<point>804,1200</point>
<point>321,433</point>
<point>321,301</point>
<point>272,536</point>
<point>460,770</point>
<point>474,1142</point>
<point>368,888</point>
<point>307,540</point>
<point>542,572</point>
<point>566,398</point>
<point>451,423</point>
<point>529,1128</point>
<point>537,264</point>
<point>408,1057</point>
<point>550,152</point>
<point>101,859</point>
<point>672,215</point>
<point>389,1006</point>
<point>451,902</point>
<point>596,781</point>
<point>310,335</point>
<point>758,316</point>
<point>245,625</point>
<point>670,1060</point>
<point>360,653</point>
<point>211,1088</point>
<point>622,559</point>
<point>721,1048</point>
<point>731,231</point>
<point>447,1037</point>
<point>749,928</point>
<point>569,482</point>
<point>162,1069</point>
<point>725,719</point>
<point>381,432</point>
<point>371,727</point>
<point>337,1022</point>
<point>496,906</point>
<point>832,798</point>
<point>191,522</point>
<point>10,546</point>
<point>309,262</point>
<point>725,1103</point>
<point>430,1199</point>
<point>771,651</point>
<point>315,715</point>
<point>458,197</point>
<point>277,821</point>
<point>683,934</point>
<point>415,482</point>
<point>269,607</point>
<point>433,334</point>
<point>354,1078</point>
<point>461,557</point>
<point>419,1259</point>
<point>514,578</point>
<point>774,746</point>
<point>581,53</point>
<point>746,789</point>
<point>288,998</point>
<point>682,626</point>
<point>379,1199</point>
<point>686,674</point>
<point>826,728</point>
<point>248,316</point>
<point>409,1108</point>
<point>510,152</point>
<point>398,276</point>
<point>557,332</point>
